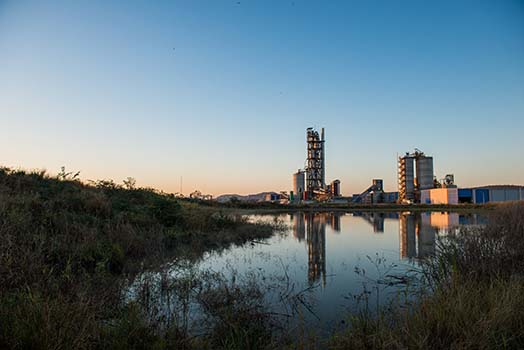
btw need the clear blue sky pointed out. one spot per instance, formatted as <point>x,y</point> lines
<point>221,93</point>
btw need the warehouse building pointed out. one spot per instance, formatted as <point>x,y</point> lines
<point>439,196</point>
<point>493,193</point>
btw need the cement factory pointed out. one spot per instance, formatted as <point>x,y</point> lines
<point>314,174</point>
<point>417,182</point>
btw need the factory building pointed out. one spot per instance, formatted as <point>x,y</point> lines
<point>375,194</point>
<point>334,188</point>
<point>439,196</point>
<point>409,185</point>
<point>310,183</point>
<point>493,193</point>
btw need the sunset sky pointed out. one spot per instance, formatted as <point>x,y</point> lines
<point>220,92</point>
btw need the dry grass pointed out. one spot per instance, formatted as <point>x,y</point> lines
<point>66,249</point>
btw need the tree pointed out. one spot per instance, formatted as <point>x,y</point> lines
<point>129,183</point>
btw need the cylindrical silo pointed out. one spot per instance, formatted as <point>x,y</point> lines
<point>424,178</point>
<point>299,179</point>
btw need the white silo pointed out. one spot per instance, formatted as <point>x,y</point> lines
<point>424,177</point>
<point>299,179</point>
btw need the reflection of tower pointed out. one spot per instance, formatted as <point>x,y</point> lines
<point>426,235</point>
<point>378,222</point>
<point>316,243</point>
<point>299,226</point>
<point>407,235</point>
<point>335,222</point>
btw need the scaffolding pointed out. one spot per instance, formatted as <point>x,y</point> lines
<point>315,167</point>
<point>406,186</point>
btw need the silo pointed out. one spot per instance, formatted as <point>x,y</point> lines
<point>424,177</point>
<point>406,185</point>
<point>298,184</point>
<point>335,188</point>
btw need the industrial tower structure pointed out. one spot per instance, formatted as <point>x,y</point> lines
<point>409,186</point>
<point>310,183</point>
<point>316,166</point>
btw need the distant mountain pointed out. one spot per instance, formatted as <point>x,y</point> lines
<point>258,197</point>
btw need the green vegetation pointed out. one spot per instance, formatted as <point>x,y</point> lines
<point>69,253</point>
<point>67,248</point>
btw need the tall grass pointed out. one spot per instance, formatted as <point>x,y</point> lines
<point>66,249</point>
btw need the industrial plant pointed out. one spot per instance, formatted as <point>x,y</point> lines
<point>310,183</point>
<point>417,182</point>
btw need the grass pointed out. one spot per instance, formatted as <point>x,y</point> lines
<point>68,251</point>
<point>67,248</point>
<point>472,295</point>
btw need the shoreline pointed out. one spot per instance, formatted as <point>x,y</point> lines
<point>461,208</point>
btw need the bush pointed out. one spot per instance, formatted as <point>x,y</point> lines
<point>67,248</point>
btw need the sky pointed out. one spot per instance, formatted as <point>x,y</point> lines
<point>219,93</point>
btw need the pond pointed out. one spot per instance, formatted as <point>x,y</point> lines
<point>333,259</point>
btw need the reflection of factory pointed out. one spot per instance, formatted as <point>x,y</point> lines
<point>312,226</point>
<point>418,232</point>
<point>299,220</point>
<point>407,233</point>
<point>310,183</point>
<point>316,247</point>
<point>299,226</point>
<point>376,219</point>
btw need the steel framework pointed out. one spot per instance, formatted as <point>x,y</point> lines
<point>315,167</point>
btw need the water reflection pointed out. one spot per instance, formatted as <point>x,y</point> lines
<point>312,226</point>
<point>376,219</point>
<point>323,249</point>
<point>316,246</point>
<point>417,232</point>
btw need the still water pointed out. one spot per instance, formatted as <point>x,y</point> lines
<point>328,258</point>
<point>334,255</point>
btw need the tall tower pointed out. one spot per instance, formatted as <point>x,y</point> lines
<point>315,168</point>
<point>322,138</point>
<point>415,173</point>
<point>406,178</point>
